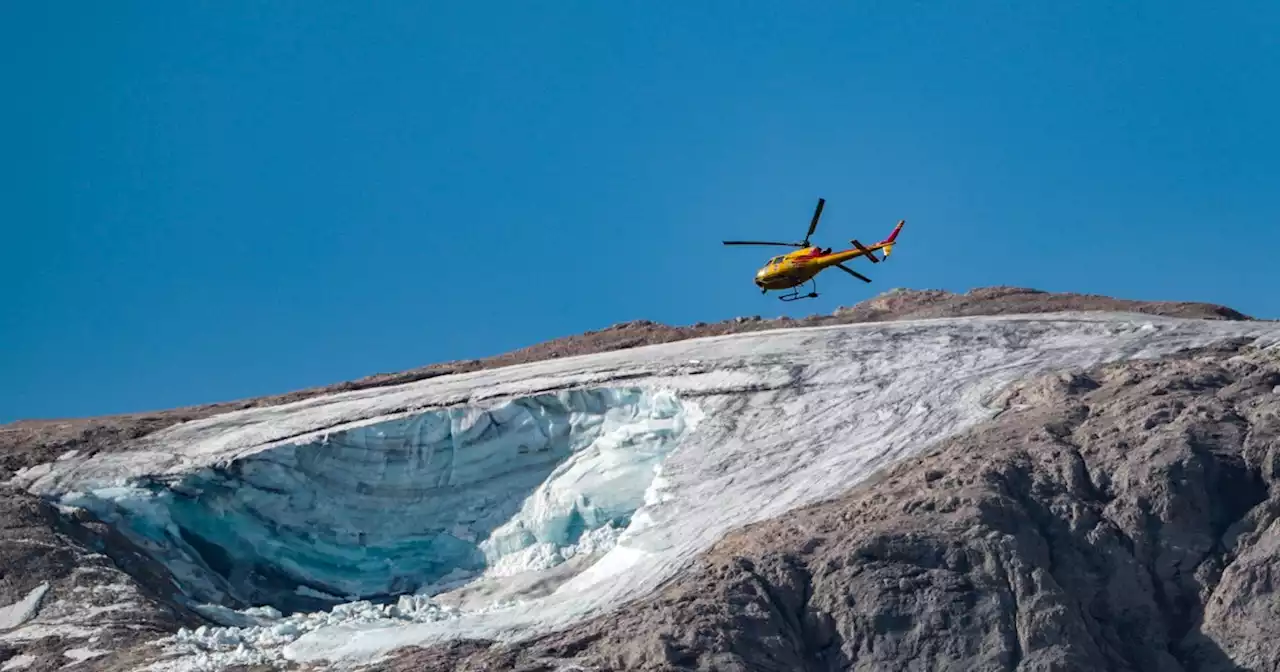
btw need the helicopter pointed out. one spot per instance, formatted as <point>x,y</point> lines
<point>791,270</point>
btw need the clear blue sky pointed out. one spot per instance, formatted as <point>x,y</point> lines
<point>211,200</point>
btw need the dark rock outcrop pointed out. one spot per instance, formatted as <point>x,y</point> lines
<point>90,589</point>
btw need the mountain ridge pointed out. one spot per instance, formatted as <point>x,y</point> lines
<point>74,551</point>
<point>105,431</point>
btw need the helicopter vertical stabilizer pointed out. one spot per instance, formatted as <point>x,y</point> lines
<point>888,242</point>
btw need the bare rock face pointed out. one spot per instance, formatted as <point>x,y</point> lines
<point>67,600</point>
<point>927,304</point>
<point>1119,519</point>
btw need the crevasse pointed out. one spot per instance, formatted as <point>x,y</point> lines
<point>405,505</point>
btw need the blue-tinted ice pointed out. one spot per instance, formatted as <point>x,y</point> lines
<point>401,505</point>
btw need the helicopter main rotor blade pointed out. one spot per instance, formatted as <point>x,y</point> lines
<point>761,242</point>
<point>852,272</point>
<point>865,252</point>
<point>813,224</point>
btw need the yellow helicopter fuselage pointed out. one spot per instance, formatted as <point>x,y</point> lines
<point>796,268</point>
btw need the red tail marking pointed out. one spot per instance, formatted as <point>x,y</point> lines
<point>896,230</point>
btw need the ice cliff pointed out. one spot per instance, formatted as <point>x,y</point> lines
<point>509,502</point>
<point>402,504</point>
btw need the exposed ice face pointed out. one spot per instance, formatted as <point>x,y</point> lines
<point>403,504</point>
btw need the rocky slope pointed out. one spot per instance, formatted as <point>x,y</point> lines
<point>75,603</point>
<point>1008,549</point>
<point>1118,519</point>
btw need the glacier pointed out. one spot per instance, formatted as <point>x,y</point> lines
<point>403,505</point>
<point>342,527</point>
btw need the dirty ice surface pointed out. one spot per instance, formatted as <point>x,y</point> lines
<point>519,534</point>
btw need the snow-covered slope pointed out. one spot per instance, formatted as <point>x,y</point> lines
<point>540,494</point>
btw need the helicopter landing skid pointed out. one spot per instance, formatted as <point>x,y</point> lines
<point>795,295</point>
